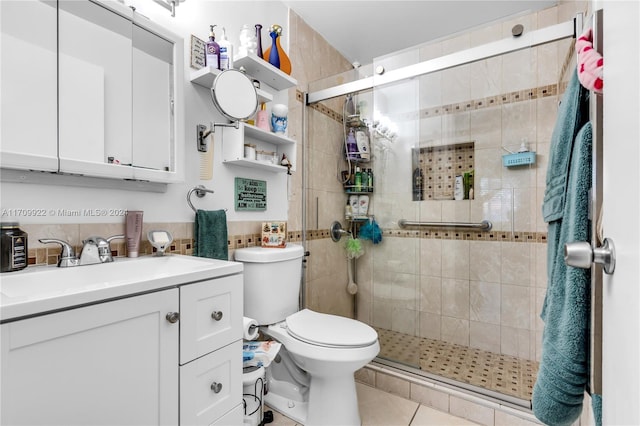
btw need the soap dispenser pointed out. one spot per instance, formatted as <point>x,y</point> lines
<point>226,52</point>
<point>212,51</point>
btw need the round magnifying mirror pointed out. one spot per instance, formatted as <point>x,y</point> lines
<point>234,94</point>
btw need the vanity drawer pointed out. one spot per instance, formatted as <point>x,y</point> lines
<point>210,316</point>
<point>211,386</point>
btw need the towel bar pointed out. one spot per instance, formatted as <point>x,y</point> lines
<point>485,225</point>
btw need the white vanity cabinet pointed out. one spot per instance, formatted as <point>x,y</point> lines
<point>166,357</point>
<point>210,349</point>
<point>110,363</point>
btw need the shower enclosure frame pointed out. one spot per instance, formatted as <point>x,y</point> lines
<point>569,29</point>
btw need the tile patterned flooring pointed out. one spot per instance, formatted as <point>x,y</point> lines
<point>501,373</point>
<point>384,409</point>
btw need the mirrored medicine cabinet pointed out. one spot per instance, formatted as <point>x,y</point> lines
<point>90,88</point>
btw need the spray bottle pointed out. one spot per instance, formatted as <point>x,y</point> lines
<point>226,52</point>
<point>212,51</point>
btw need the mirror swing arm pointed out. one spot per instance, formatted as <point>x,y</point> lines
<point>203,133</point>
<point>234,95</point>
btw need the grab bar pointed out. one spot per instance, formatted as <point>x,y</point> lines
<point>484,226</point>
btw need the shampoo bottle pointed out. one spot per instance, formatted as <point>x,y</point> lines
<point>212,51</point>
<point>262,120</point>
<point>226,52</point>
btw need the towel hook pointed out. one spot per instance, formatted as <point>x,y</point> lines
<point>200,191</point>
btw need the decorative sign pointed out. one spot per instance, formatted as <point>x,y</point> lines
<point>274,234</point>
<point>197,52</point>
<point>251,194</point>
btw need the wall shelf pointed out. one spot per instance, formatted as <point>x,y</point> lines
<point>255,164</point>
<point>265,72</point>
<point>233,141</point>
<point>204,77</point>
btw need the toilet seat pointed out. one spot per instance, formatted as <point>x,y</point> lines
<point>329,331</point>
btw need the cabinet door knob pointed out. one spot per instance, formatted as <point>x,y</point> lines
<point>173,317</point>
<point>216,315</point>
<point>216,387</point>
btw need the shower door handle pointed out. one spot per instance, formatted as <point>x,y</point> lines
<point>581,255</point>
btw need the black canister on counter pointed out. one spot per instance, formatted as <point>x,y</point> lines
<point>13,247</point>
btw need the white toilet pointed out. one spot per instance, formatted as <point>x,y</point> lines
<point>312,379</point>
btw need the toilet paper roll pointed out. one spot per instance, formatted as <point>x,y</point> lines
<point>249,328</point>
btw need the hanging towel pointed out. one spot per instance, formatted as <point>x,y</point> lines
<point>564,367</point>
<point>210,231</point>
<point>573,113</point>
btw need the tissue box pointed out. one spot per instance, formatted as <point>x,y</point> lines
<point>274,234</point>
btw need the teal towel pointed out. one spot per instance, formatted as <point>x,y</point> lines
<point>573,113</point>
<point>564,367</point>
<point>596,404</point>
<point>210,232</point>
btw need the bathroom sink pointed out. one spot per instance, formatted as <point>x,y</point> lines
<point>40,289</point>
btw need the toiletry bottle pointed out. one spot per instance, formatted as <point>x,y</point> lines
<point>358,180</point>
<point>212,51</point>
<point>365,180</point>
<point>226,52</point>
<point>259,40</point>
<point>370,173</point>
<point>418,184</point>
<point>354,203</point>
<point>347,210</point>
<point>363,205</point>
<point>362,141</point>
<point>458,189</point>
<point>352,146</point>
<point>262,120</point>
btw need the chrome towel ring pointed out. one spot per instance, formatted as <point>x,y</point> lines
<point>200,191</point>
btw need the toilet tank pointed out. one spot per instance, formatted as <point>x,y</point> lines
<point>271,282</point>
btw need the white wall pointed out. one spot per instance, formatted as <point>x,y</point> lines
<point>192,17</point>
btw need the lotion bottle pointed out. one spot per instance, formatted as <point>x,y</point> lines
<point>226,52</point>
<point>262,119</point>
<point>212,51</point>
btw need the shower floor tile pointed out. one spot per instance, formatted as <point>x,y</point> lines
<point>501,373</point>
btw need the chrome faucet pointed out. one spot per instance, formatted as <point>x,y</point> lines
<point>67,257</point>
<point>95,250</point>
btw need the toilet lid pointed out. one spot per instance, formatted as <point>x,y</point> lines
<point>329,330</point>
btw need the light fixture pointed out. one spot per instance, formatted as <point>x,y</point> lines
<point>170,5</point>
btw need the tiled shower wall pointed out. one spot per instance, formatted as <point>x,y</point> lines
<point>483,290</point>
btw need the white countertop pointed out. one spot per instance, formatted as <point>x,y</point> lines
<point>38,290</point>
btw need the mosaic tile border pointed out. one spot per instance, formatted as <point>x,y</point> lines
<point>470,105</point>
<point>444,234</point>
<point>50,255</point>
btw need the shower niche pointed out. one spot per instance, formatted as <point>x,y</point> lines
<point>434,171</point>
